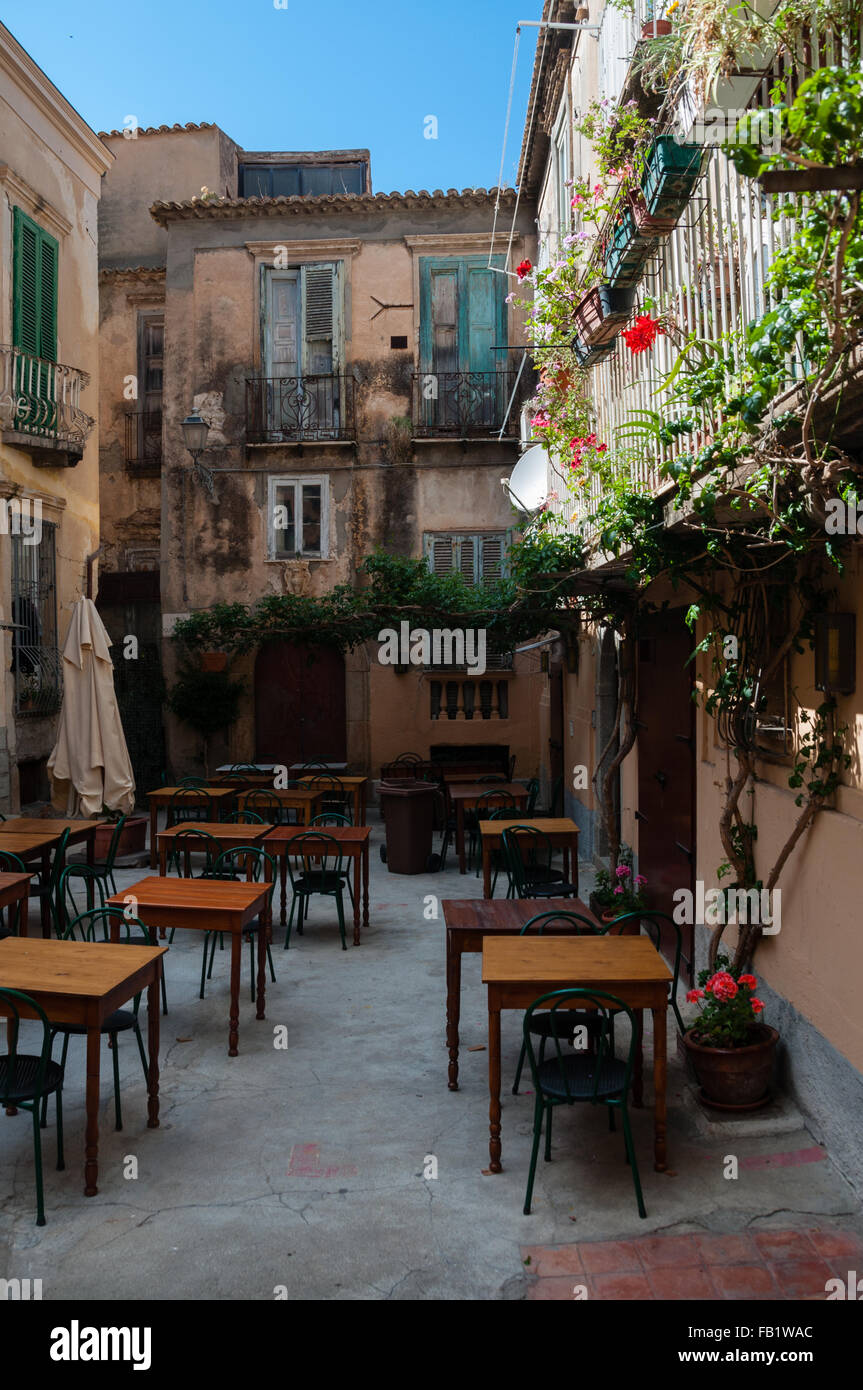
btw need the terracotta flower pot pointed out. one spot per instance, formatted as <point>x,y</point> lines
<point>133,837</point>
<point>214,661</point>
<point>656,28</point>
<point>734,1078</point>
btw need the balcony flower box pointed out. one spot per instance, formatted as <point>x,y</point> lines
<point>601,314</point>
<point>589,356</point>
<point>656,29</point>
<point>648,226</point>
<point>670,175</point>
<point>626,252</point>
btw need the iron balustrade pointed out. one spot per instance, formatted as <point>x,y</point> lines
<point>144,443</point>
<point>296,409</point>
<point>42,399</point>
<point>466,405</point>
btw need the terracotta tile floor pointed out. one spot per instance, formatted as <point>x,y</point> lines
<point>792,1264</point>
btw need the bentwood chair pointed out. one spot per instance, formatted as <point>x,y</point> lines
<point>243,862</point>
<point>597,1078</point>
<point>105,867</point>
<point>246,818</point>
<point>28,1079</point>
<point>532,795</point>
<point>335,797</point>
<point>187,843</point>
<point>334,818</point>
<point>565,1022</point>
<point>508,813</point>
<point>265,805</point>
<point>655,923</point>
<point>316,867</point>
<point>486,805</point>
<point>94,925</point>
<point>187,805</point>
<point>527,854</point>
<point>11,864</point>
<point>68,908</point>
<point>192,782</point>
<point>47,891</point>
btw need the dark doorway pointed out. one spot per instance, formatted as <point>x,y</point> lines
<point>300,704</point>
<point>555,740</point>
<point>666,766</point>
<point>607,729</point>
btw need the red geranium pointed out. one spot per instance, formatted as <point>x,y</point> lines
<point>722,986</point>
<point>643,333</point>
<point>524,269</point>
<point>748,980</point>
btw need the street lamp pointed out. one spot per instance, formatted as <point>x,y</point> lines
<point>195,432</point>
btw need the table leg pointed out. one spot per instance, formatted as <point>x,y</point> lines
<point>366,886</point>
<point>234,1021</point>
<point>91,847</point>
<point>363,807</point>
<point>24,914</point>
<point>638,1069</point>
<point>459,836</point>
<point>260,991</point>
<point>660,1159</point>
<point>573,864</point>
<point>356,873</point>
<point>153,1046</point>
<point>45,874</point>
<point>91,1150</point>
<point>283,876</point>
<point>453,1008</point>
<point>154,812</point>
<point>494,1145</point>
<point>486,867</point>
<point>163,858</point>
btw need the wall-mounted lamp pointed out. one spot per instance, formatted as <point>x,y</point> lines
<point>836,652</point>
<point>195,432</point>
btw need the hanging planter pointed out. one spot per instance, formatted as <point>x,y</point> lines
<point>588,356</point>
<point>648,226</point>
<point>626,252</point>
<point>602,313</point>
<point>656,28</point>
<point>670,175</point>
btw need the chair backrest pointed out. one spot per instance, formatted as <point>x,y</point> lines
<point>246,817</point>
<point>654,922</point>
<point>308,768</point>
<point>114,844</point>
<point>10,863</point>
<point>85,927</point>
<point>492,777</point>
<point>189,842</point>
<point>333,790</point>
<point>605,1006</point>
<point>524,844</point>
<point>512,767</point>
<point>187,804</point>
<point>532,795</point>
<point>505,813</point>
<point>14,1001</point>
<point>244,767</point>
<point>313,853</point>
<point>583,926</point>
<point>409,758</point>
<point>245,862</point>
<point>331,818</point>
<point>94,886</point>
<point>192,782</point>
<point>500,800</point>
<point>57,863</point>
<point>265,805</point>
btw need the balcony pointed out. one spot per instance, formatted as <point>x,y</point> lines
<point>144,443</point>
<point>40,408</point>
<point>468,405</point>
<point>300,410</point>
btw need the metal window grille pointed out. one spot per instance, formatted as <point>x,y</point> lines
<point>35,656</point>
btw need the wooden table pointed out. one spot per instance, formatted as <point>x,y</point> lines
<point>15,888</point>
<point>353,841</point>
<point>261,781</point>
<point>336,768</point>
<point>213,797</point>
<point>303,800</point>
<point>206,904</point>
<point>519,969</point>
<point>464,797</point>
<point>229,834</point>
<point>32,836</point>
<point>560,830</point>
<point>357,786</point>
<point>83,982</point>
<point>468,922</point>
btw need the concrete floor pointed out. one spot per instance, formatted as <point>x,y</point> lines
<point>304,1168</point>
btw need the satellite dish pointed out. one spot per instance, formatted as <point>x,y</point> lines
<point>528,483</point>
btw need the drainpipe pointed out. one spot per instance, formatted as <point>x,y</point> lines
<point>88,565</point>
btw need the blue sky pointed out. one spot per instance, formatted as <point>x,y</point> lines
<point>320,74</point>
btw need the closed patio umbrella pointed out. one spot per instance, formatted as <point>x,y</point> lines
<point>90,765</point>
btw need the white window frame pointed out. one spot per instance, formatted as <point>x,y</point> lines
<point>561,164</point>
<point>297,482</point>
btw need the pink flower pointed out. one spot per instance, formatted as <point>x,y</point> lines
<point>579,198</point>
<point>640,880</point>
<point>722,986</point>
<point>694,995</point>
<point>622,871</point>
<point>598,191</point>
<point>618,890</point>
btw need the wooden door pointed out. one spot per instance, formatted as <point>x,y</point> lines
<point>666,765</point>
<point>300,704</point>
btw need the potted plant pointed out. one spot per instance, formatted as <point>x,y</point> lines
<point>619,892</point>
<point>133,836</point>
<point>601,313</point>
<point>670,174</point>
<point>731,1050</point>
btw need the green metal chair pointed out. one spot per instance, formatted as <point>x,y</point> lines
<point>106,866</point>
<point>27,1079</point>
<point>532,796</point>
<point>486,805</point>
<point>85,927</point>
<point>185,806</point>
<point>190,842</point>
<point>527,855</point>
<point>654,922</point>
<point>509,813</point>
<point>67,907</point>
<point>566,1022</point>
<point>192,782</point>
<point>11,864</point>
<point>246,818</point>
<point>315,866</point>
<point>597,1078</point>
<point>251,860</point>
<point>266,806</point>
<point>47,891</point>
<point>335,818</point>
<point>335,797</point>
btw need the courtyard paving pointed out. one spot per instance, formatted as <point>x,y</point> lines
<point>306,1172</point>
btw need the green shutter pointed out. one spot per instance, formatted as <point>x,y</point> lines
<point>34,294</point>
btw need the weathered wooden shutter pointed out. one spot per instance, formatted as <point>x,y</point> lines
<point>319,319</point>
<point>491,558</point>
<point>468,556</point>
<point>34,295</point>
<point>440,552</point>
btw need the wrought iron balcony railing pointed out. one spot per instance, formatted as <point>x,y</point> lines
<point>41,401</point>
<point>144,443</point>
<point>294,409</point>
<point>465,405</point>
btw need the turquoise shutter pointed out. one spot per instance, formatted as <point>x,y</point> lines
<point>34,295</point>
<point>483,331</point>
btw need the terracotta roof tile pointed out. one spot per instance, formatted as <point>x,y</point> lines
<point>159,129</point>
<point>342,202</point>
